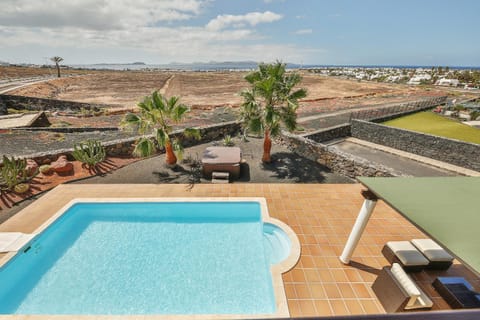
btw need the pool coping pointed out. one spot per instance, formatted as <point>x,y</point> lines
<point>276,270</point>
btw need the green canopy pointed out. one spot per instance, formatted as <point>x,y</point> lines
<point>445,208</point>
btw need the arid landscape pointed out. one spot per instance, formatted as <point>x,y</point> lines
<point>213,96</point>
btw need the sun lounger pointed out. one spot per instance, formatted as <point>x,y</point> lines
<point>405,254</point>
<point>437,256</point>
<point>457,292</point>
<point>13,241</point>
<point>397,292</point>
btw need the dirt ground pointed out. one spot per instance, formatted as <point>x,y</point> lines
<point>213,96</point>
<point>201,90</point>
<point>13,72</point>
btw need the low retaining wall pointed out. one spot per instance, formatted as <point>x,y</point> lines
<point>41,104</point>
<point>124,147</point>
<point>66,129</point>
<point>340,131</point>
<point>336,160</point>
<point>398,110</point>
<point>452,151</point>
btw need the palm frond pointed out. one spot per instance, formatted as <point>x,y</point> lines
<point>192,133</point>
<point>255,125</point>
<point>178,149</point>
<point>178,112</point>
<point>144,147</point>
<point>162,137</point>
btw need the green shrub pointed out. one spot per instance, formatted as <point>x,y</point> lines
<point>13,172</point>
<point>228,141</point>
<point>90,152</point>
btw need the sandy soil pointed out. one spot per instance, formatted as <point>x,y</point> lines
<point>123,89</point>
<point>197,89</point>
<point>213,96</point>
<point>11,72</point>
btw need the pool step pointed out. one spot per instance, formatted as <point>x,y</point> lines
<point>220,177</point>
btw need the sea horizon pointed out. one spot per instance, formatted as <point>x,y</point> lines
<point>243,65</point>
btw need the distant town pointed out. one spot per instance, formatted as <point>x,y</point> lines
<point>439,76</point>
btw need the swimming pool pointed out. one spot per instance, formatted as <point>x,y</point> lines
<point>151,257</point>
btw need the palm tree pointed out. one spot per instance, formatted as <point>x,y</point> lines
<point>157,115</point>
<point>270,101</point>
<point>57,61</point>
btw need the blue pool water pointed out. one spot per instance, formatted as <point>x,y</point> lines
<point>148,258</point>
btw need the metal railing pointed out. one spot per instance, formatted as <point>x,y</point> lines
<point>403,108</point>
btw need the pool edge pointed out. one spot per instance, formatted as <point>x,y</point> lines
<point>277,270</point>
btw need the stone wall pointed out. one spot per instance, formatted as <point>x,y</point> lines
<point>336,160</point>
<point>452,151</point>
<point>340,131</point>
<point>398,110</point>
<point>124,147</point>
<point>39,104</point>
<point>66,129</point>
<point>3,107</point>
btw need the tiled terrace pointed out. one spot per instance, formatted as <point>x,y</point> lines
<point>321,215</point>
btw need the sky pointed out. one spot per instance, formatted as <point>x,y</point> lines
<point>333,32</point>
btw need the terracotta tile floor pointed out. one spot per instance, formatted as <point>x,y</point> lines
<point>321,215</point>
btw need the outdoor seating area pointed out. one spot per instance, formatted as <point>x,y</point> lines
<point>429,211</point>
<point>320,284</point>
<point>417,254</point>
<point>397,292</point>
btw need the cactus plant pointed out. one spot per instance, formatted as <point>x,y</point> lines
<point>90,152</point>
<point>21,188</point>
<point>12,172</point>
<point>46,169</point>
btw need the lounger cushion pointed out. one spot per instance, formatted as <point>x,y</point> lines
<point>418,298</point>
<point>404,280</point>
<point>432,250</point>
<point>407,253</point>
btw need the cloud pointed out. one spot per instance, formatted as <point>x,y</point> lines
<point>252,19</point>
<point>90,31</point>
<point>303,31</point>
<point>96,15</point>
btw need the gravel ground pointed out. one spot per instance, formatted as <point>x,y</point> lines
<point>19,143</point>
<point>287,167</point>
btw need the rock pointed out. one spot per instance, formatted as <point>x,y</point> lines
<point>62,166</point>
<point>31,167</point>
<point>46,161</point>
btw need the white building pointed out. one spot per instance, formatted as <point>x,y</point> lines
<point>448,82</point>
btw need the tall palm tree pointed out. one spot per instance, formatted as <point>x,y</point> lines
<point>271,101</point>
<point>57,61</point>
<point>157,115</point>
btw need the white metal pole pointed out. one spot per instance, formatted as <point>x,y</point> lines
<point>357,230</point>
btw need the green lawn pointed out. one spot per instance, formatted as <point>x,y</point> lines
<point>431,123</point>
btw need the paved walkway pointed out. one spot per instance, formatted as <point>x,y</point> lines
<point>321,215</point>
<point>401,161</point>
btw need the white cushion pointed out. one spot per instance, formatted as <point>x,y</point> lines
<point>418,298</point>
<point>405,281</point>
<point>432,250</point>
<point>407,253</point>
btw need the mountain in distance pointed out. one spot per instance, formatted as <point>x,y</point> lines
<point>225,64</point>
